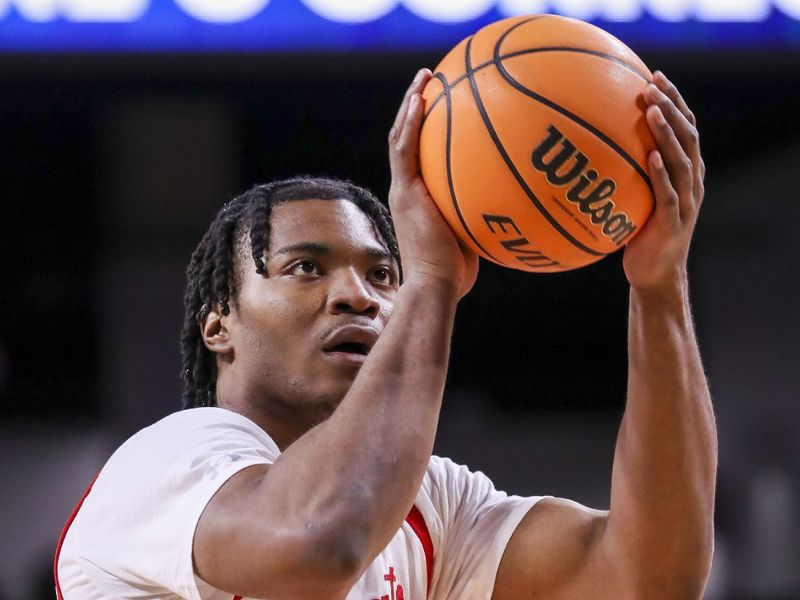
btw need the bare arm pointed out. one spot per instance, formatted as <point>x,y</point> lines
<point>315,519</point>
<point>656,541</point>
<point>663,484</point>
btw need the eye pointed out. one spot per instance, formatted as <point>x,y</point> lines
<point>304,267</point>
<point>384,275</point>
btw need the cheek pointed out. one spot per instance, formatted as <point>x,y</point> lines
<point>387,306</point>
<point>279,328</point>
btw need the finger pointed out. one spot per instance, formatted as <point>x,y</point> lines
<point>406,148</point>
<point>420,79</point>
<point>676,163</point>
<point>684,130</point>
<point>667,210</point>
<point>671,91</point>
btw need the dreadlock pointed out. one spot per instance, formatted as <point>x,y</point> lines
<point>212,272</point>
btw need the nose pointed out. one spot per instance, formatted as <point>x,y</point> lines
<point>349,293</point>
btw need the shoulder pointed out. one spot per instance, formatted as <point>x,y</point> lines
<point>209,419</point>
<point>453,492</point>
<point>470,522</point>
<point>183,451</point>
<point>150,495</point>
<point>456,481</point>
<point>442,468</point>
<point>202,430</point>
<point>182,458</point>
<point>186,450</point>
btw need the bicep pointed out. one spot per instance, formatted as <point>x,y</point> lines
<point>239,547</point>
<point>557,552</point>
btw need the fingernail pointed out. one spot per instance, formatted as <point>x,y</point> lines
<point>658,162</point>
<point>419,74</point>
<point>656,93</point>
<point>659,115</point>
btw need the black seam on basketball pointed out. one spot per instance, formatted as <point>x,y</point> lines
<point>461,78</point>
<point>516,53</point>
<point>560,49</point>
<point>608,57</point>
<point>498,62</point>
<point>448,107</point>
<point>510,164</point>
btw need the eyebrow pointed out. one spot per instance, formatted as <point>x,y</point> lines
<point>317,248</point>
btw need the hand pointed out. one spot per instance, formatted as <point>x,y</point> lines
<point>656,258</point>
<point>428,246</point>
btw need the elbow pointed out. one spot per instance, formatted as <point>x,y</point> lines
<point>317,562</point>
<point>678,588</point>
<point>323,560</point>
<point>669,586</point>
<point>695,570</point>
<point>696,580</point>
<point>685,579</point>
<point>340,554</point>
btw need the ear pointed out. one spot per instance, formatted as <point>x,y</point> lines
<point>214,329</point>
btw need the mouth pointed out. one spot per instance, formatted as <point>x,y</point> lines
<point>351,348</point>
<point>350,344</point>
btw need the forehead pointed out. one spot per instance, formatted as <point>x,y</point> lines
<point>330,222</point>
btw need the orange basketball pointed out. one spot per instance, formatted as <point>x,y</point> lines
<point>534,144</point>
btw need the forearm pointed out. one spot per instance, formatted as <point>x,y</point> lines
<point>663,482</point>
<point>355,476</point>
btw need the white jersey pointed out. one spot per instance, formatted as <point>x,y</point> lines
<point>131,536</point>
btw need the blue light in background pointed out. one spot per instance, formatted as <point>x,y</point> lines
<point>327,25</point>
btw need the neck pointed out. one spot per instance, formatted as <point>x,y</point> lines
<point>284,420</point>
<point>282,433</point>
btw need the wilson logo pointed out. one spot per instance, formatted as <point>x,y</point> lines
<point>564,165</point>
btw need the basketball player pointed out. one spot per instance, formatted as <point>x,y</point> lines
<point>303,467</point>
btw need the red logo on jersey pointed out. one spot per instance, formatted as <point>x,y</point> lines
<point>395,592</point>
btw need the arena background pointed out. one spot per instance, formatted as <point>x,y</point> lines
<point>118,144</point>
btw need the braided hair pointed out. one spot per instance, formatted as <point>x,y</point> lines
<point>212,272</point>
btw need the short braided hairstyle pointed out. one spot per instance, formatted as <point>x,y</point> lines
<point>212,274</point>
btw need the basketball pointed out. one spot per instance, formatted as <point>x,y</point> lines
<point>534,143</point>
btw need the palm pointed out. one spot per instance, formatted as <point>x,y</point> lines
<point>658,252</point>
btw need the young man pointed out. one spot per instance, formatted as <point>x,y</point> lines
<point>304,468</point>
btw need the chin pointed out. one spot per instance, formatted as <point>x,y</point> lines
<point>325,401</point>
<point>325,392</point>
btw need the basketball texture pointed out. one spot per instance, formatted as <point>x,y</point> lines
<point>534,143</point>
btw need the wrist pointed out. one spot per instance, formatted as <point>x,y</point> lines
<point>667,284</point>
<point>428,287</point>
<point>669,297</point>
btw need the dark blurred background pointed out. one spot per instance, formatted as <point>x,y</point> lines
<point>113,163</point>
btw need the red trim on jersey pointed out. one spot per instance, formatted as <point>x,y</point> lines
<point>64,535</point>
<point>417,523</point>
<point>414,519</point>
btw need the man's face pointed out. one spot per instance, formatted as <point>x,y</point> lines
<point>301,334</point>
